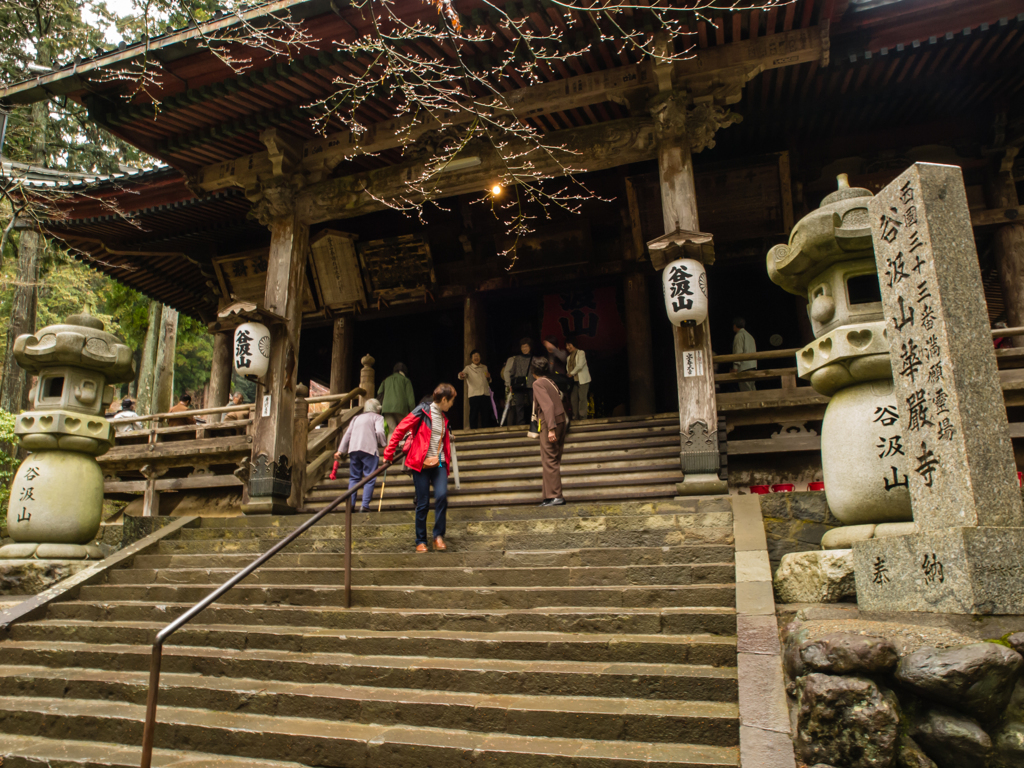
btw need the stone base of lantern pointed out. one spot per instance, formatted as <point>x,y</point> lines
<point>27,550</point>
<point>268,505</point>
<point>977,570</point>
<point>702,485</point>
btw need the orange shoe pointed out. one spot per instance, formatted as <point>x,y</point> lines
<point>439,545</point>
<point>421,548</point>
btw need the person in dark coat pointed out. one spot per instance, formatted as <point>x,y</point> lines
<point>395,396</point>
<point>554,425</point>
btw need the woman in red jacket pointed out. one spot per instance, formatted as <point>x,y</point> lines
<point>429,457</point>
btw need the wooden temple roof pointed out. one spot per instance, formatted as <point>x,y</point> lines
<point>891,76</point>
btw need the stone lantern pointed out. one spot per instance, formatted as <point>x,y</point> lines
<point>57,496</point>
<point>830,260</point>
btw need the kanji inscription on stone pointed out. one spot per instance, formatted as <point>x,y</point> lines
<point>960,464</point>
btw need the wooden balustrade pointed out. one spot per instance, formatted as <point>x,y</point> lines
<point>202,456</point>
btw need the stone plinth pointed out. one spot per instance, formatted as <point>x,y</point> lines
<point>968,556</point>
<point>953,570</point>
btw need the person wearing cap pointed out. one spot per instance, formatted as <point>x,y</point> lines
<point>127,412</point>
<point>518,381</point>
<point>362,442</point>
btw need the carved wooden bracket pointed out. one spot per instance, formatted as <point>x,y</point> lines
<point>681,244</point>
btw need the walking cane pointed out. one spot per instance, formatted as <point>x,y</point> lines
<point>508,402</point>
<point>383,485</point>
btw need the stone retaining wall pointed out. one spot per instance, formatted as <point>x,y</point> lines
<point>895,694</point>
<point>795,522</point>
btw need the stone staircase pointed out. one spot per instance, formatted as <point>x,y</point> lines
<point>604,460</point>
<point>599,635</point>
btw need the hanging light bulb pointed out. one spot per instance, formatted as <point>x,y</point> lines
<point>496,190</point>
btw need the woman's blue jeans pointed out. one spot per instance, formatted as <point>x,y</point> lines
<point>422,481</point>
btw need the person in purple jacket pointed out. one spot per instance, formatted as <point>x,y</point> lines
<point>362,442</point>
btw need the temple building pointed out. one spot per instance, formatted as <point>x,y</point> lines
<point>737,140</point>
<point>266,208</point>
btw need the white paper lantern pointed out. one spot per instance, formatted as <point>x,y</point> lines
<point>685,286</point>
<point>252,350</point>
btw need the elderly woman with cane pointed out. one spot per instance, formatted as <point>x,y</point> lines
<point>362,442</point>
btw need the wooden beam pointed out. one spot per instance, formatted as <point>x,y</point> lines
<point>715,74</point>
<point>592,148</point>
<point>998,216</point>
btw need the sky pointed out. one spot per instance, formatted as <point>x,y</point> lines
<point>120,7</point>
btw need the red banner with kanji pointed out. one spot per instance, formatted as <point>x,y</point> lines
<point>592,316</point>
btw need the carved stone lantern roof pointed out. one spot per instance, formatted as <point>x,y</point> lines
<point>839,230</point>
<point>79,341</point>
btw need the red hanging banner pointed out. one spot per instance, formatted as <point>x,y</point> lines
<point>591,315</point>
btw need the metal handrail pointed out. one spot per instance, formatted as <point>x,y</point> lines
<point>149,732</point>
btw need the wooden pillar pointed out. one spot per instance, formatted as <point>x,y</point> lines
<point>273,434</point>
<point>163,373</point>
<point>638,344</point>
<point>300,438</point>
<point>220,374</point>
<point>698,409</point>
<point>341,355</point>
<point>472,338</point>
<point>147,366</point>
<point>1008,247</point>
<point>151,496</point>
<point>367,379</point>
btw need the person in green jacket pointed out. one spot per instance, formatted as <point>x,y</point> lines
<point>396,397</point>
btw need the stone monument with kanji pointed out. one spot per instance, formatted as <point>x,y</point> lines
<point>967,555</point>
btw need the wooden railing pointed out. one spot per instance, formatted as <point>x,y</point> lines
<point>205,456</point>
<point>320,447</point>
<point>786,375</point>
<point>788,404</point>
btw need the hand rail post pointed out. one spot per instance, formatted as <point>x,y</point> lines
<point>348,553</point>
<point>149,732</point>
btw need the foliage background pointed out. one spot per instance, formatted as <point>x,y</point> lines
<point>52,33</point>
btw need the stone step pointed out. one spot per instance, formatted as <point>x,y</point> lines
<point>714,620</point>
<point>585,717</point>
<point>370,527</point>
<point>268,575</point>
<point>711,650</point>
<point>405,597</point>
<point>579,427</point>
<point>575,438</point>
<point>521,479</point>
<point>589,510</point>
<point>62,752</point>
<point>498,542</point>
<point>343,743</point>
<point>491,676</point>
<point>591,449</point>
<point>604,557</point>
<point>529,494</point>
<point>667,454</point>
